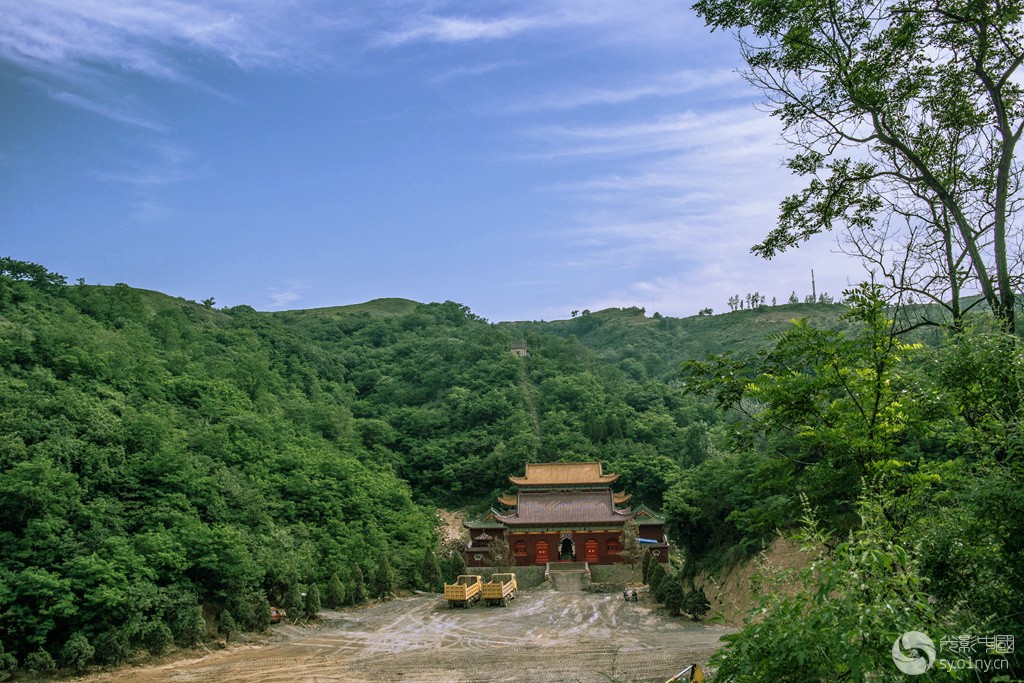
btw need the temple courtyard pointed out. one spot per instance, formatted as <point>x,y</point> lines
<point>543,636</point>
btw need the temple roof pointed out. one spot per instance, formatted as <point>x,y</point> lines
<point>487,521</point>
<point>508,501</point>
<point>580,507</point>
<point>623,497</point>
<point>564,474</point>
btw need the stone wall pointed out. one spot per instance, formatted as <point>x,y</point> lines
<point>526,577</point>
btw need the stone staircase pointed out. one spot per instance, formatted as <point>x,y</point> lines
<point>570,577</point>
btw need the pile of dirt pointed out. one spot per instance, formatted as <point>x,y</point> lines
<point>731,594</point>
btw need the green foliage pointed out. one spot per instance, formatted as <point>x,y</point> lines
<point>311,603</point>
<point>40,661</point>
<point>696,604</point>
<point>646,560</point>
<point>8,664</point>
<point>77,652</point>
<point>156,637</point>
<point>227,625</point>
<point>456,566</point>
<point>357,589</point>
<point>383,578</point>
<point>670,591</point>
<point>335,595</point>
<point>192,626</point>
<point>853,602</point>
<point>430,572</point>
<point>655,576</point>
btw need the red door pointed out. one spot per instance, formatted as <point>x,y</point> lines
<point>542,551</point>
<point>590,550</point>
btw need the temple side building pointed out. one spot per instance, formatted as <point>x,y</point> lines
<point>564,512</point>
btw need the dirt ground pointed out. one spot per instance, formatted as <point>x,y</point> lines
<point>543,636</point>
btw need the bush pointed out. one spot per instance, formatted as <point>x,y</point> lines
<point>192,627</point>
<point>674,597</point>
<point>227,625</point>
<point>112,647</point>
<point>357,590</point>
<point>336,594</point>
<point>40,661</point>
<point>696,604</point>
<point>7,664</point>
<point>156,637</point>
<point>311,603</point>
<point>655,575</point>
<point>77,652</point>
<point>383,578</point>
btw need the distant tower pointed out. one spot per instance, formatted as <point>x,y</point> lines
<point>519,349</point>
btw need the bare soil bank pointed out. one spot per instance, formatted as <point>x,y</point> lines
<point>544,636</point>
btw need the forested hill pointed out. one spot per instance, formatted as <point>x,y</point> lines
<point>654,346</point>
<point>161,457</point>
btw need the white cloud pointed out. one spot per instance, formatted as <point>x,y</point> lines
<point>678,83</point>
<point>289,293</point>
<point>107,111</point>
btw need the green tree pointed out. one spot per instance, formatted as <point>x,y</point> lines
<point>156,637</point>
<point>696,604</point>
<point>336,595</point>
<point>77,652</point>
<point>40,661</point>
<point>192,626</point>
<point>852,603</point>
<point>311,604</point>
<point>910,108</point>
<point>227,625</point>
<point>632,551</point>
<point>357,589</point>
<point>8,664</point>
<point>501,554</point>
<point>655,576</point>
<point>673,595</point>
<point>384,578</point>
<point>430,572</point>
<point>457,565</point>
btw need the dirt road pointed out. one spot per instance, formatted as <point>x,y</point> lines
<point>543,636</point>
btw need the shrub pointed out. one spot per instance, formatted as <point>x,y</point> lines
<point>77,652</point>
<point>40,661</point>
<point>311,603</point>
<point>696,604</point>
<point>192,627</point>
<point>156,637</point>
<point>336,594</point>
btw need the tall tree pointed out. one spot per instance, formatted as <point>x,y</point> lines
<point>895,106</point>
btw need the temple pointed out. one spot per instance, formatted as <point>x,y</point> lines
<point>563,512</point>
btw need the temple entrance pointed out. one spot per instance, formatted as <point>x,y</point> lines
<point>566,551</point>
<point>590,551</point>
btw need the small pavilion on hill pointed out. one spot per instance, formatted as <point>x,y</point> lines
<point>563,512</point>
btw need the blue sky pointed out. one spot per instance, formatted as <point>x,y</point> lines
<point>523,158</point>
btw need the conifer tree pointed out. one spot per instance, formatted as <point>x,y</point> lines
<point>674,596</point>
<point>311,602</point>
<point>383,579</point>
<point>336,594</point>
<point>357,591</point>
<point>227,625</point>
<point>458,565</point>
<point>655,575</point>
<point>430,573</point>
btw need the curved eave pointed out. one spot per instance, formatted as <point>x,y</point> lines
<point>603,479</point>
